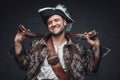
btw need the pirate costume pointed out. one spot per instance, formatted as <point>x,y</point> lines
<point>76,61</point>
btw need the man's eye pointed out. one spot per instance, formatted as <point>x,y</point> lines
<point>56,20</point>
<point>49,23</point>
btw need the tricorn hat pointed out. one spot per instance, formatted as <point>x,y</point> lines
<point>46,12</point>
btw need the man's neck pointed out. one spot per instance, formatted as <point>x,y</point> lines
<point>59,40</point>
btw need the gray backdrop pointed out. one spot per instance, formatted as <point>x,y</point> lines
<point>103,16</point>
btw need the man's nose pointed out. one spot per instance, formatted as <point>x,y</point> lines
<point>53,23</point>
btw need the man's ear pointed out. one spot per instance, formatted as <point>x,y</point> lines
<point>65,22</point>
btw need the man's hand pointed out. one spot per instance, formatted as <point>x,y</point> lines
<point>20,36</point>
<point>94,42</point>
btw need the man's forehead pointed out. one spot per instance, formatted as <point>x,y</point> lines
<point>55,16</point>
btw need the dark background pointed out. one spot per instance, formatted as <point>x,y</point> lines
<point>103,16</point>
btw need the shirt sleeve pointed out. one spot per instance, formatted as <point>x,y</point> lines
<point>23,58</point>
<point>91,65</point>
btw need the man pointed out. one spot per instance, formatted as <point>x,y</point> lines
<point>56,56</point>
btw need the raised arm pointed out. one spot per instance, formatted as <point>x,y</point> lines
<point>94,59</point>
<point>20,57</point>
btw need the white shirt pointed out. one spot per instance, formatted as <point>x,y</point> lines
<point>46,69</point>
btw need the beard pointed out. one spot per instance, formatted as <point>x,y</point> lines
<point>58,33</point>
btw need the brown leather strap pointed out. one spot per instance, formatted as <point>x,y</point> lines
<point>53,60</point>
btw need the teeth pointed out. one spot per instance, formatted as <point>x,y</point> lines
<point>56,28</point>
